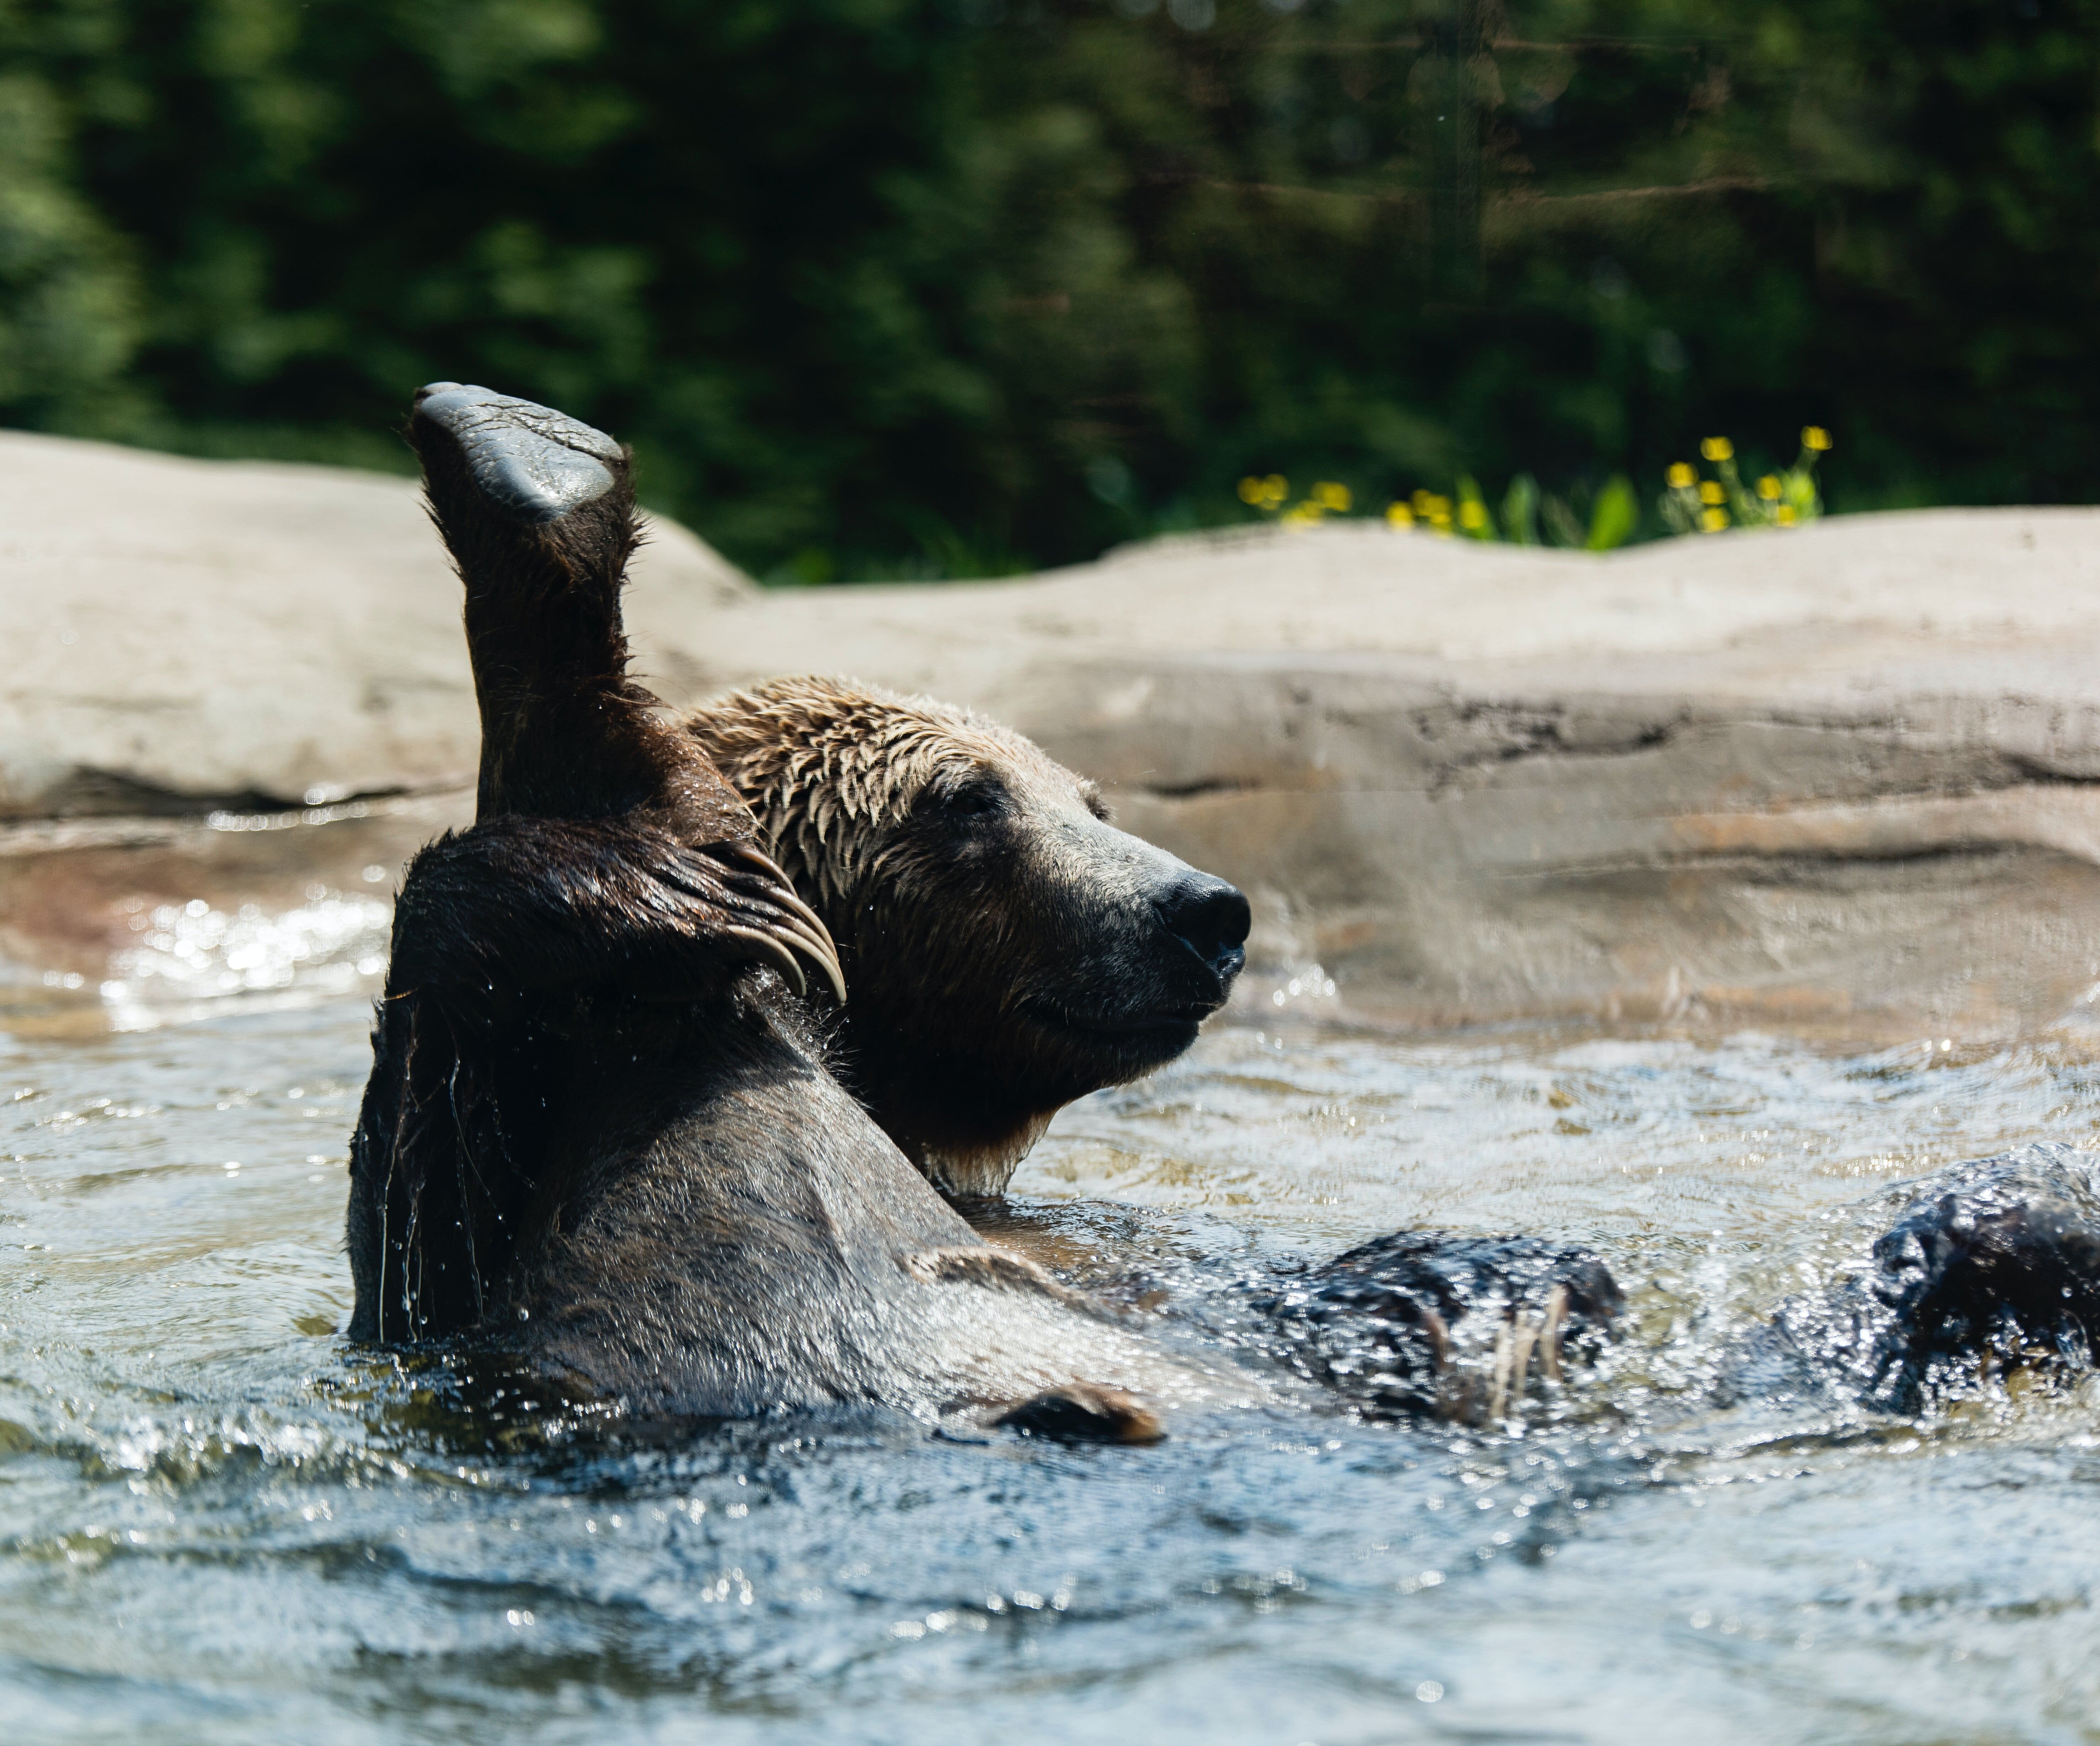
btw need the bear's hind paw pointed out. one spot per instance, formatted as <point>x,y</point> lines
<point>532,461</point>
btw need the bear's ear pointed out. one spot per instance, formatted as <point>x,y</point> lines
<point>1083,1413</point>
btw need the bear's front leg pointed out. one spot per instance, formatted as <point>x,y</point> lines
<point>466,1076</point>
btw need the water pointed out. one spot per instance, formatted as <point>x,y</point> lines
<point>217,1521</point>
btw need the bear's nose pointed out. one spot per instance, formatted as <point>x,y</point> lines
<point>1209,917</point>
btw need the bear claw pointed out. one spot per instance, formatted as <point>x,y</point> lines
<point>800,927</point>
<point>779,927</point>
<point>535,462</point>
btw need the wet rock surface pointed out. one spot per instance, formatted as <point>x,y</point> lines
<point>1840,780</point>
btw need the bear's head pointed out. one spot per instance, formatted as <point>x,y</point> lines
<point>1006,948</point>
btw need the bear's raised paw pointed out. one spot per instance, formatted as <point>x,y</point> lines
<point>533,461</point>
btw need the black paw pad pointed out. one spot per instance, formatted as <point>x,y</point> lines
<point>530,459</point>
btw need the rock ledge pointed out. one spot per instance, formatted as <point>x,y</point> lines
<point>1842,777</point>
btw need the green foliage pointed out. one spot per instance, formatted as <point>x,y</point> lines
<point>1614,516</point>
<point>1786,499</point>
<point>69,295</point>
<point>1521,511</point>
<point>931,287</point>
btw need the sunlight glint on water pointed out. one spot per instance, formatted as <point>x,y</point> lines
<point>188,959</point>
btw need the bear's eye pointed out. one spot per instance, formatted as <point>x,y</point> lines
<point>972,800</point>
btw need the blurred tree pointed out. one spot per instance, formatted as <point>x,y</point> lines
<point>69,302</point>
<point>893,287</point>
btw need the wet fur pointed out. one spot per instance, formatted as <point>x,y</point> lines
<point>1991,1266</point>
<point>1009,948</point>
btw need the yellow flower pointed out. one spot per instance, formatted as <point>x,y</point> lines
<point>1423,503</point>
<point>1399,515</point>
<point>1784,515</point>
<point>1303,514</point>
<point>1713,521</point>
<point>1717,448</point>
<point>1710,492</point>
<point>1768,487</point>
<point>1472,516</point>
<point>1330,496</point>
<point>1681,475</point>
<point>1250,491</point>
<point>1816,438</point>
<point>1440,506</point>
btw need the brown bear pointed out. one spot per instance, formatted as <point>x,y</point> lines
<point>1009,948</point>
<point>601,1131</point>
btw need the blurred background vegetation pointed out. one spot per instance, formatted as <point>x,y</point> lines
<point>948,287</point>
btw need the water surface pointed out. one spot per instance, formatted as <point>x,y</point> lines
<point>217,1521</point>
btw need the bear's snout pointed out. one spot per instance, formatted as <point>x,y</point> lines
<point>1211,918</point>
